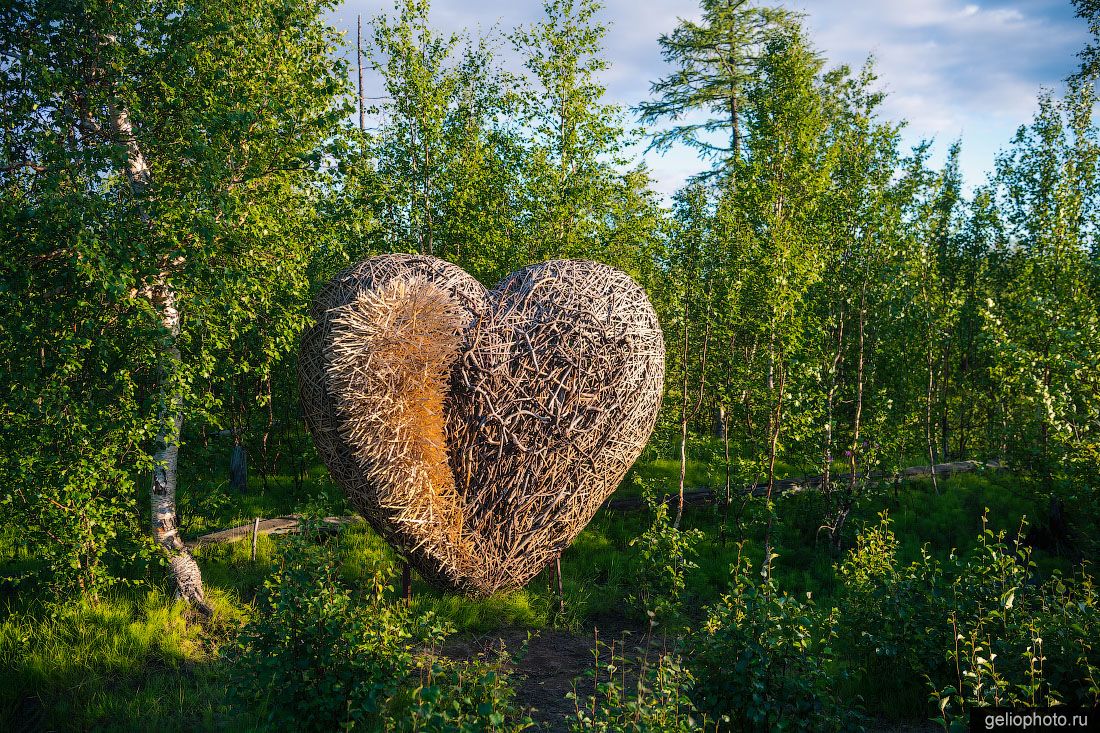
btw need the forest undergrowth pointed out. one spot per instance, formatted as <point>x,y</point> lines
<point>314,630</point>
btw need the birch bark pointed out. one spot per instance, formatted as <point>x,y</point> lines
<point>183,570</point>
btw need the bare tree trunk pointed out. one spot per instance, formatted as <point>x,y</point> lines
<point>683,419</point>
<point>745,401</point>
<point>775,417</point>
<point>930,339</point>
<point>832,369</point>
<point>735,135</point>
<point>416,188</point>
<point>773,445</point>
<point>359,59</point>
<point>853,453</point>
<point>683,460</point>
<point>686,415</point>
<point>729,482</point>
<point>725,416</point>
<point>429,234</point>
<point>270,463</point>
<point>238,467</point>
<point>945,388</point>
<point>830,397</point>
<point>183,569</point>
<point>928,419</point>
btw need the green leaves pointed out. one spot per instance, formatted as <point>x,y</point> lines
<point>319,656</point>
<point>981,629</point>
<point>661,561</point>
<point>659,701</point>
<point>763,658</point>
<point>232,106</point>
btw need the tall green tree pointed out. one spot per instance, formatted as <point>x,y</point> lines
<point>927,298</point>
<point>1042,317</point>
<point>714,60</point>
<point>976,401</point>
<point>691,259</point>
<point>781,186</point>
<point>443,169</point>
<point>575,139</point>
<point>160,182</point>
<point>845,315</point>
<point>421,79</point>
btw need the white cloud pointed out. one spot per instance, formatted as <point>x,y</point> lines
<point>956,69</point>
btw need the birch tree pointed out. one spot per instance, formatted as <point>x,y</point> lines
<point>159,206</point>
<point>780,191</point>
<point>575,140</point>
<point>691,262</point>
<point>1042,315</point>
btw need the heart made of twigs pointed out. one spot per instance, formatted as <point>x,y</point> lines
<point>479,431</point>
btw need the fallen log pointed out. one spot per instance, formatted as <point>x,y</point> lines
<point>287,524</point>
<point>704,496</point>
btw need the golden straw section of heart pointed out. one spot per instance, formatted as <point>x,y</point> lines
<point>392,351</point>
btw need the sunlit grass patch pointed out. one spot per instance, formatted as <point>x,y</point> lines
<point>127,657</point>
<point>520,608</point>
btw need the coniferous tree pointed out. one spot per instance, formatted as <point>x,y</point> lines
<point>715,60</point>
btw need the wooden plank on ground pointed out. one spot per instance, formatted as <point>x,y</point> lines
<point>279,525</point>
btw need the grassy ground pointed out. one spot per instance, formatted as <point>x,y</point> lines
<point>132,661</point>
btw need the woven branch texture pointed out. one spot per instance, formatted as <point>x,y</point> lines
<point>479,431</point>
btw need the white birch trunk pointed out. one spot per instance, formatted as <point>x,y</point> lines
<point>183,569</point>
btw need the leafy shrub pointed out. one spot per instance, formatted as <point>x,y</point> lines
<point>892,626</point>
<point>663,557</point>
<point>466,697</point>
<point>982,629</point>
<point>659,700</point>
<point>764,659</point>
<point>1017,641</point>
<point>68,498</point>
<point>318,657</point>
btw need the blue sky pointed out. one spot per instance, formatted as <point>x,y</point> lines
<point>952,68</point>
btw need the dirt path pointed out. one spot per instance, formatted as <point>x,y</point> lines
<point>544,674</point>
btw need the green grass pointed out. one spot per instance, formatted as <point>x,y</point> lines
<point>208,504</point>
<point>131,661</point>
<point>705,469</point>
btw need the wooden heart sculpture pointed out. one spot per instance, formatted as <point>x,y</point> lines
<point>479,431</point>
